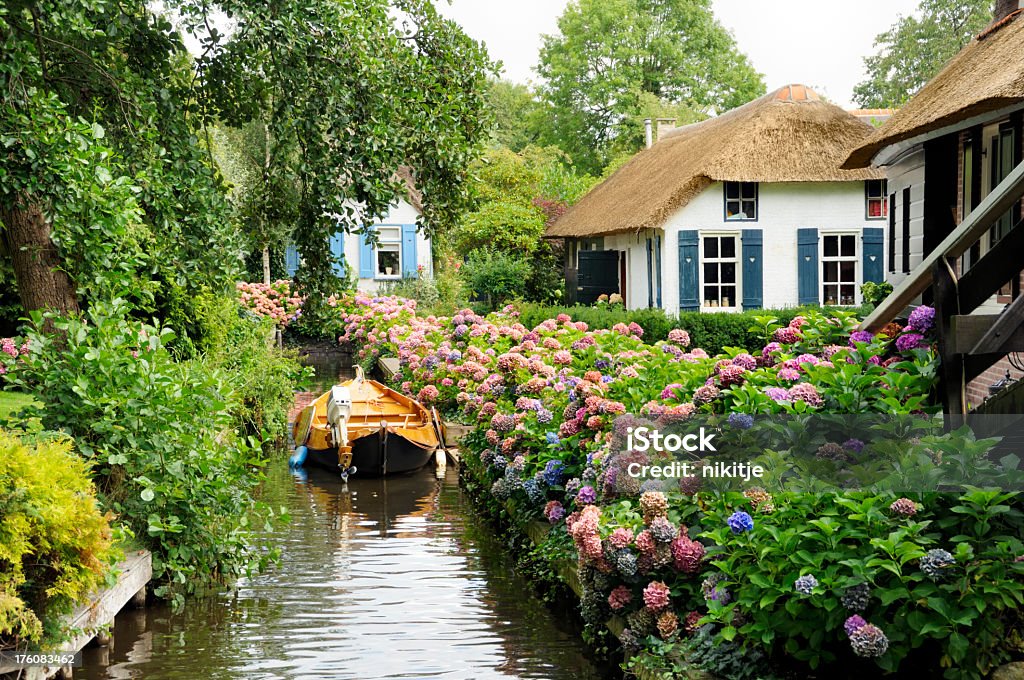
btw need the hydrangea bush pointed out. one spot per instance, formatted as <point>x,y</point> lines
<point>869,577</point>
<point>276,301</point>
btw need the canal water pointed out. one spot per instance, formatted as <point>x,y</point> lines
<point>382,578</point>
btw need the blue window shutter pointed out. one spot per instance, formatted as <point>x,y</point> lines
<point>657,269</point>
<point>807,265</point>
<point>650,272</point>
<point>874,265</point>
<point>688,264</point>
<point>291,260</point>
<point>409,269</point>
<point>338,253</point>
<point>753,268</point>
<point>366,263</point>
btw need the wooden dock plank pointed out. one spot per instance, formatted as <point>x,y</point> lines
<point>136,570</point>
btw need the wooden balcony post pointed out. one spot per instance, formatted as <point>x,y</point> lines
<point>951,372</point>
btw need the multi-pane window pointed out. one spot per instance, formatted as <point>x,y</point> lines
<point>720,282</point>
<point>389,252</point>
<point>876,204</point>
<point>740,201</point>
<point>839,269</point>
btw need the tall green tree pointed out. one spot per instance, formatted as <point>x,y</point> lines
<point>349,91</point>
<point>518,115</point>
<point>105,188</point>
<point>916,47</point>
<point>609,55</point>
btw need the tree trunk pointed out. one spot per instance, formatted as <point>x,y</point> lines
<point>266,265</point>
<point>42,283</point>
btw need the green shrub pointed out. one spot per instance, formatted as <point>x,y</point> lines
<point>262,377</point>
<point>158,435</point>
<point>496,276</point>
<point>55,543</point>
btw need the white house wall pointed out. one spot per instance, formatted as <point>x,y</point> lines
<point>401,213</point>
<point>783,208</point>
<point>907,172</point>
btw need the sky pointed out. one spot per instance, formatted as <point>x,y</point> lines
<point>820,43</point>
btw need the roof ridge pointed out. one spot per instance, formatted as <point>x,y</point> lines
<point>1008,19</point>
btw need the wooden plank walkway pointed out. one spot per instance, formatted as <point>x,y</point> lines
<point>135,572</point>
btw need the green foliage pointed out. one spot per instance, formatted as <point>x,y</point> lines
<point>507,226</point>
<point>873,293</point>
<point>518,116</point>
<point>349,92</point>
<point>496,276</point>
<point>261,377</point>
<point>158,436</point>
<point>612,58</point>
<point>55,543</point>
<point>916,48</point>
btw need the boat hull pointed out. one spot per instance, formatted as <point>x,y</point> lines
<point>373,460</point>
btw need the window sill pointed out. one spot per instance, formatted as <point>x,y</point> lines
<point>384,277</point>
<point>712,310</point>
<point>741,219</point>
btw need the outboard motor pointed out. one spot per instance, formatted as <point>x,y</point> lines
<point>339,410</point>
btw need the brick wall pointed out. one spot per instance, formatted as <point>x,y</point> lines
<point>977,390</point>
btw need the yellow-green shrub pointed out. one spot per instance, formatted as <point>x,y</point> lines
<point>55,543</point>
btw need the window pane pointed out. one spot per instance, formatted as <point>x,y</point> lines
<point>389,233</point>
<point>848,271</point>
<point>728,296</point>
<point>830,292</point>
<point>875,207</point>
<point>388,263</point>
<point>728,272</point>
<point>849,245</point>
<point>711,247</point>
<point>831,273</point>
<point>749,210</point>
<point>749,190</point>
<point>831,246</point>
<point>732,190</point>
<point>728,246</point>
<point>846,295</point>
<point>710,272</point>
<point>710,295</point>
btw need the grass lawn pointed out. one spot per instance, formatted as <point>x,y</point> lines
<point>12,402</point>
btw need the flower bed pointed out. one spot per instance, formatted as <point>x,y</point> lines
<point>734,580</point>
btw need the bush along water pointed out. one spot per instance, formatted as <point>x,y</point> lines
<point>865,580</point>
<point>55,541</point>
<point>160,438</point>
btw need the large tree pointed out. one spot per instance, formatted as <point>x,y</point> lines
<point>611,56</point>
<point>105,189</point>
<point>349,90</point>
<point>916,47</point>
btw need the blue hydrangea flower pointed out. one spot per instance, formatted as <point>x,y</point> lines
<point>544,416</point>
<point>740,522</point>
<point>552,438</point>
<point>741,421</point>
<point>554,472</point>
<point>533,491</point>
<point>806,584</point>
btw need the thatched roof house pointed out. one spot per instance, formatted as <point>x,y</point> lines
<point>789,135</point>
<point>949,148</point>
<point>702,218</point>
<point>984,77</point>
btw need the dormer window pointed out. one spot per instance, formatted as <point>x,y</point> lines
<point>741,201</point>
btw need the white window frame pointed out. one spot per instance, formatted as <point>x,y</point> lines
<point>381,240</point>
<point>883,198</point>
<point>740,200</point>
<point>856,258</point>
<point>736,259</point>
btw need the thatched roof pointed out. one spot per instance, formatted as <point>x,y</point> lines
<point>987,75</point>
<point>789,135</point>
<point>413,195</point>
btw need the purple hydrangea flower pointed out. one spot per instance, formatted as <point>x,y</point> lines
<point>854,445</point>
<point>741,421</point>
<point>553,472</point>
<point>586,495</point>
<point>806,584</point>
<point>861,336</point>
<point>853,623</point>
<point>778,394</point>
<point>909,341</point>
<point>922,319</point>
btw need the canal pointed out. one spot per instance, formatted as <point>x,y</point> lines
<point>384,578</point>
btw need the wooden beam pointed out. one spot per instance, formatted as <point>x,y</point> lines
<point>951,370</point>
<point>1003,330</point>
<point>999,266</point>
<point>994,206</point>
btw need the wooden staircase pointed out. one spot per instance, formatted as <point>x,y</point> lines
<point>970,343</point>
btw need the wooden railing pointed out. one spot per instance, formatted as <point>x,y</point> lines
<point>968,344</point>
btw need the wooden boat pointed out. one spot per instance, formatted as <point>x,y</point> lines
<point>363,425</point>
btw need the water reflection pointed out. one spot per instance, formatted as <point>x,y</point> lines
<point>389,578</point>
